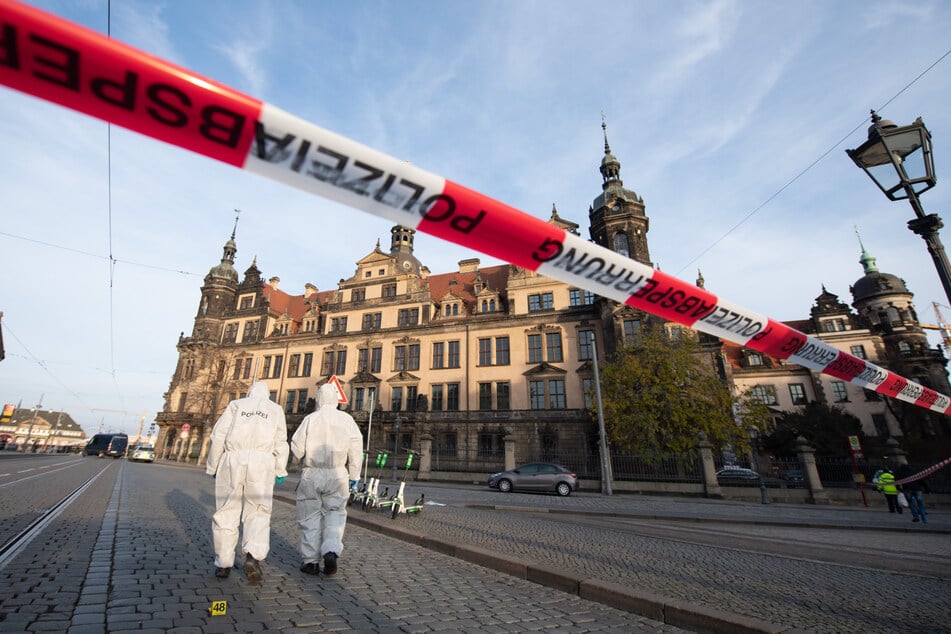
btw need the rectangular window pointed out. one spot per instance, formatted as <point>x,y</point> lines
<point>535,349</point>
<point>328,367</point>
<point>412,361</point>
<point>247,369</point>
<point>237,369</point>
<point>411,398</point>
<point>839,392</point>
<point>765,394</point>
<point>439,360</point>
<point>436,401</point>
<point>537,394</point>
<point>376,359</point>
<point>273,396</point>
<point>754,359</point>
<point>363,354</point>
<point>308,361</point>
<point>301,401</point>
<point>278,366</point>
<point>578,297</point>
<point>407,317</point>
<point>586,345</point>
<point>587,385</point>
<point>289,402</point>
<point>452,397</point>
<point>485,352</point>
<point>797,392</point>
<point>250,331</point>
<point>540,301</point>
<point>358,399</point>
<point>502,399</point>
<point>858,351</point>
<point>446,444</point>
<point>453,354</point>
<point>399,358</point>
<point>358,294</point>
<point>246,301</point>
<point>491,445</point>
<point>502,351</point>
<point>485,396</point>
<point>293,366</point>
<point>556,394</point>
<point>396,399</point>
<point>389,290</point>
<point>231,333</point>
<point>341,366</point>
<point>338,324</point>
<point>266,369</point>
<point>372,321</point>
<point>553,341</point>
<point>632,328</point>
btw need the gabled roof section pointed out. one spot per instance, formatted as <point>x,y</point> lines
<point>495,277</point>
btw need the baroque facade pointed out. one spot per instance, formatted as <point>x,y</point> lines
<point>470,356</point>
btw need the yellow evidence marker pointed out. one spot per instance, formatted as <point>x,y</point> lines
<point>218,608</point>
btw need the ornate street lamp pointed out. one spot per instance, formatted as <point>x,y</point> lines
<point>753,432</point>
<point>899,160</point>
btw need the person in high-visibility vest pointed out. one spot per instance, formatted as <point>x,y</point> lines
<point>886,484</point>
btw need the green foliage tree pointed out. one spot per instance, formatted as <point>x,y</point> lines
<point>826,427</point>
<point>660,392</point>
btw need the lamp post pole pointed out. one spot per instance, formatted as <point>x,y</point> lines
<point>754,441</point>
<point>396,442</point>
<point>899,160</point>
<point>371,393</point>
<point>605,459</point>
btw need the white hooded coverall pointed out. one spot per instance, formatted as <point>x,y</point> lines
<point>248,451</point>
<point>330,447</point>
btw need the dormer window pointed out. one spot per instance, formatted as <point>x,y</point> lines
<point>754,359</point>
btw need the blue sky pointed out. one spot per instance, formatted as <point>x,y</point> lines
<point>713,109</point>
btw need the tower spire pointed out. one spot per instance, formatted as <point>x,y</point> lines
<point>867,261</point>
<point>237,212</point>
<point>610,166</point>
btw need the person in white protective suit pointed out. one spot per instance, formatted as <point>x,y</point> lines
<point>330,446</point>
<point>247,457</point>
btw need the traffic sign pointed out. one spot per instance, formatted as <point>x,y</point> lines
<point>854,443</point>
<point>341,397</point>
<point>186,427</point>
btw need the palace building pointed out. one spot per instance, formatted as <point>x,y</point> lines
<point>470,356</point>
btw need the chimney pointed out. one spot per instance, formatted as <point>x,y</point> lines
<point>469,266</point>
<point>274,281</point>
<point>309,289</point>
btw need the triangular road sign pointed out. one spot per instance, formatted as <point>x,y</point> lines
<point>341,397</point>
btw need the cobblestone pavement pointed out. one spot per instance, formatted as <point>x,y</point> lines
<point>134,554</point>
<point>812,568</point>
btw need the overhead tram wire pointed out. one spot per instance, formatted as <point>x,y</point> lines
<point>802,172</point>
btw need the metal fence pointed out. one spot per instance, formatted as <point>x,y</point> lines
<point>628,467</point>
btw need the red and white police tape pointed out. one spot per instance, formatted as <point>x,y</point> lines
<point>56,60</point>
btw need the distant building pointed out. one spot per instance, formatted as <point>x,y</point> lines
<point>470,356</point>
<point>41,430</point>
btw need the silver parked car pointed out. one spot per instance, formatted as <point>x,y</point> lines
<point>535,476</point>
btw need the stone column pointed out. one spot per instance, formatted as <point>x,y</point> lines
<point>710,485</point>
<point>509,441</point>
<point>425,456</point>
<point>205,443</point>
<point>807,458</point>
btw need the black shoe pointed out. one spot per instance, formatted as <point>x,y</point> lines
<point>330,563</point>
<point>252,568</point>
<point>914,519</point>
<point>222,573</point>
<point>310,568</point>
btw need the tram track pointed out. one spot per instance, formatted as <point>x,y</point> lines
<point>12,546</point>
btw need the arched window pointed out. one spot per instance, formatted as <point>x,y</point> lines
<point>621,245</point>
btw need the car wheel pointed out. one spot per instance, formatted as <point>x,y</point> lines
<point>505,486</point>
<point>563,489</point>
